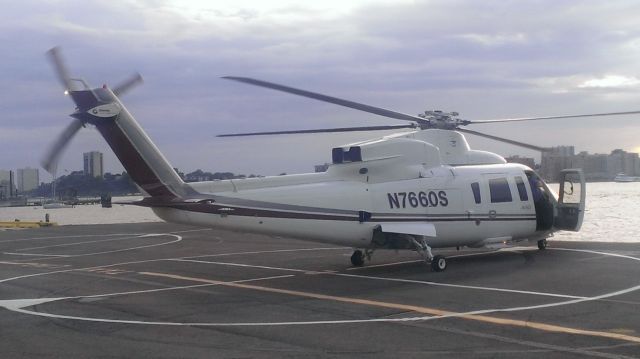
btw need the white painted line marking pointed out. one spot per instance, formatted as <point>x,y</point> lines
<point>387,279</point>
<point>239,265</point>
<point>386,264</point>
<point>36,254</point>
<point>596,252</point>
<point>420,318</point>
<point>192,230</point>
<point>78,243</point>
<point>53,256</point>
<point>459,286</point>
<point>75,236</point>
<point>158,260</point>
<point>267,252</point>
<point>14,304</point>
<point>99,235</point>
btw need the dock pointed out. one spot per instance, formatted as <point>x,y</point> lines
<point>168,291</point>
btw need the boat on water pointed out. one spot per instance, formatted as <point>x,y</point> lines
<point>621,177</point>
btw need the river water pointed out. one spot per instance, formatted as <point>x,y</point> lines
<point>612,215</point>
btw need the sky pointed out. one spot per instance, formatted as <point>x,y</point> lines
<point>483,59</point>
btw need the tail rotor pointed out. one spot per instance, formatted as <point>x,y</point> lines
<point>84,98</point>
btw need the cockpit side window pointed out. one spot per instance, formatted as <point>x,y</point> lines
<point>499,190</point>
<point>475,187</point>
<point>522,189</point>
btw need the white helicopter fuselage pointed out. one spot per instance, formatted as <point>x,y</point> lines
<point>325,207</point>
<point>396,185</point>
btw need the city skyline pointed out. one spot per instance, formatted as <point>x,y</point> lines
<point>562,152</point>
<point>504,63</point>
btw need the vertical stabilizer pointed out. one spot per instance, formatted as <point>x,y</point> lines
<point>142,160</point>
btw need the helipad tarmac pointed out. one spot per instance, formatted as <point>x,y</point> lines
<point>165,291</point>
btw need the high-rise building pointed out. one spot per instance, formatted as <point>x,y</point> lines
<point>527,161</point>
<point>596,167</point>
<point>27,179</point>
<point>93,165</point>
<point>621,161</point>
<point>7,185</point>
<point>555,160</point>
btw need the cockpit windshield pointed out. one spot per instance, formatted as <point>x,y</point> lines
<point>539,189</point>
<point>544,200</point>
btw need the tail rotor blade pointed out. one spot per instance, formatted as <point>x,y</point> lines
<point>50,161</point>
<point>61,69</point>
<point>128,84</point>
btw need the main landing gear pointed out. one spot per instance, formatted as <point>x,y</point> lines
<point>358,257</point>
<point>542,244</point>
<point>438,262</point>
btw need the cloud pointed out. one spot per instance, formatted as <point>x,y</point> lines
<point>489,59</point>
<point>495,39</point>
<point>611,81</point>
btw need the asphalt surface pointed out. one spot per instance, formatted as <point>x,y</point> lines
<point>160,290</point>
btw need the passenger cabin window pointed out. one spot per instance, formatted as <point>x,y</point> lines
<point>499,190</point>
<point>475,187</point>
<point>522,190</point>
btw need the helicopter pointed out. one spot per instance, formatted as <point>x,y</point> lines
<point>418,190</point>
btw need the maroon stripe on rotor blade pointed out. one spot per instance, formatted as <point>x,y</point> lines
<point>130,158</point>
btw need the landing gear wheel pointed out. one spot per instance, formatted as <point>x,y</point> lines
<point>357,258</point>
<point>438,263</point>
<point>542,244</point>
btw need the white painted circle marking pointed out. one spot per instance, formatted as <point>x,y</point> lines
<point>19,304</point>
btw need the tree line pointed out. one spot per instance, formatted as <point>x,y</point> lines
<point>77,184</point>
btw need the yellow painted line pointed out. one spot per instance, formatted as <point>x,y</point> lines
<point>413,308</point>
<point>25,224</point>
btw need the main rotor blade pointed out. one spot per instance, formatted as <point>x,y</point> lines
<point>506,140</point>
<point>61,69</point>
<point>321,130</point>
<point>128,84</point>
<point>555,117</point>
<point>50,161</point>
<point>330,99</point>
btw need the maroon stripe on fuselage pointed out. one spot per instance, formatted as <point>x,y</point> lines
<point>130,158</point>
<point>273,213</point>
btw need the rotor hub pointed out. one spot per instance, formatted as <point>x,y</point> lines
<point>441,120</point>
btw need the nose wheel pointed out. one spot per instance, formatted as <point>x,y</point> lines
<point>438,263</point>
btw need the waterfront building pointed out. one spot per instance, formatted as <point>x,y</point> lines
<point>7,184</point>
<point>93,164</point>
<point>527,161</point>
<point>620,161</point>
<point>596,167</point>
<point>555,160</point>
<point>593,165</point>
<point>27,179</point>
